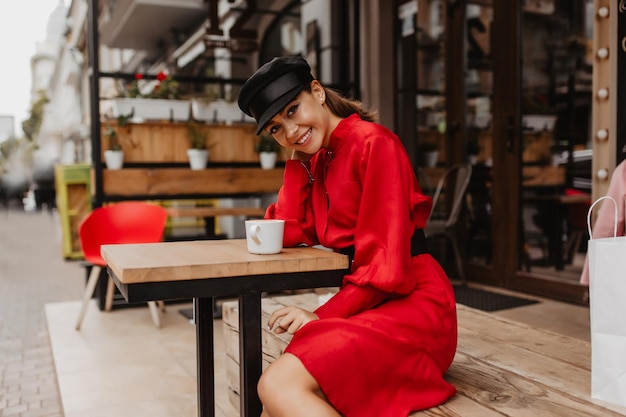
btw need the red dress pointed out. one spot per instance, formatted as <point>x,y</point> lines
<point>385,340</point>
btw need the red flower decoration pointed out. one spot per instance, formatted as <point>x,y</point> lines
<point>161,76</point>
<point>139,76</point>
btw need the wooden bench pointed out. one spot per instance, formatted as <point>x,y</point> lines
<point>502,367</point>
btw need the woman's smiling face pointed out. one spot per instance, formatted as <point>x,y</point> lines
<point>304,124</point>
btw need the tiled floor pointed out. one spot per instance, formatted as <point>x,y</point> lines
<point>32,273</point>
<point>119,364</point>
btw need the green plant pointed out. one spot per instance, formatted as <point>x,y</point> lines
<point>267,143</point>
<point>111,133</point>
<point>31,125</point>
<point>165,88</point>
<point>197,136</point>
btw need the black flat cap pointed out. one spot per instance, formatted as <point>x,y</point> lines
<point>272,87</point>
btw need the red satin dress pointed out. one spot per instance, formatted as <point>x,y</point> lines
<point>385,340</point>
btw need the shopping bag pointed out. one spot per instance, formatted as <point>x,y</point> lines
<point>607,307</point>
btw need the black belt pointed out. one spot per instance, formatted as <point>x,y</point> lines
<point>418,245</point>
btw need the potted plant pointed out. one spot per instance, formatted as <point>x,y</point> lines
<point>153,100</point>
<point>198,153</point>
<point>428,153</point>
<point>538,113</point>
<point>114,155</point>
<point>268,149</point>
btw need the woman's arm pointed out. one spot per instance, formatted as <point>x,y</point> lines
<point>391,207</point>
<point>294,205</point>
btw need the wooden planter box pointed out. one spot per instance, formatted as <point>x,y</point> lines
<point>168,142</point>
<point>214,182</point>
<point>152,109</point>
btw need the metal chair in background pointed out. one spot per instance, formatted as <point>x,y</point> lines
<point>447,203</point>
<point>125,222</point>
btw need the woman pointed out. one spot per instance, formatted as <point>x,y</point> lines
<point>380,346</point>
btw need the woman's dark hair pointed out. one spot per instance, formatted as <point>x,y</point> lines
<point>343,106</point>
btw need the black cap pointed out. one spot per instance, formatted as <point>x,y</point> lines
<point>272,87</point>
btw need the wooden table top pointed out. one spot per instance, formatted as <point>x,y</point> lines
<point>181,261</point>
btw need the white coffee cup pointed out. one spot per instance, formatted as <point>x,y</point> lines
<point>265,236</point>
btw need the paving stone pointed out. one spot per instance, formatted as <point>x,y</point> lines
<point>32,274</point>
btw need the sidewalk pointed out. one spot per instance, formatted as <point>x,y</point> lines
<point>32,273</point>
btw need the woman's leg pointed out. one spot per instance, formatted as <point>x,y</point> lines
<point>287,389</point>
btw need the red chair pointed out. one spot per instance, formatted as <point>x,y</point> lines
<point>126,222</point>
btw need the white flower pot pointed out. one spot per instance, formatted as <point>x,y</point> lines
<point>538,122</point>
<point>198,158</point>
<point>267,159</point>
<point>152,108</point>
<point>218,111</point>
<point>114,159</point>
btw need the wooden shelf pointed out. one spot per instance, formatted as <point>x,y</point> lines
<point>168,142</point>
<point>210,182</point>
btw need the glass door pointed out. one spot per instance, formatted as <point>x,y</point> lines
<point>556,147</point>
<point>505,87</point>
<point>430,98</point>
<point>454,122</point>
<point>478,134</point>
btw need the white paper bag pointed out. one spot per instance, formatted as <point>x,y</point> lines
<point>607,306</point>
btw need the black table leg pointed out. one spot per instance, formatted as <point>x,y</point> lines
<point>209,227</point>
<point>250,353</point>
<point>203,309</point>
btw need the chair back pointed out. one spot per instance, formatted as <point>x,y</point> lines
<point>455,181</point>
<point>125,222</point>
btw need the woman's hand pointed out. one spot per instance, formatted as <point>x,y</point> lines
<point>289,319</point>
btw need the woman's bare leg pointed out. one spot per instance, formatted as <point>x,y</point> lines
<point>287,389</point>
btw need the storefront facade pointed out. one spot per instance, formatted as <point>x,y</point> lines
<point>510,87</point>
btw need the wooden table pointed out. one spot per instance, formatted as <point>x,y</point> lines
<point>203,270</point>
<point>555,207</point>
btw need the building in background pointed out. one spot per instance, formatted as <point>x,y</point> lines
<point>6,127</point>
<point>45,83</point>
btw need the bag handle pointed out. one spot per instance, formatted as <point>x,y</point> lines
<point>614,218</point>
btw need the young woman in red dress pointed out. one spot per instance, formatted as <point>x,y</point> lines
<point>381,345</point>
